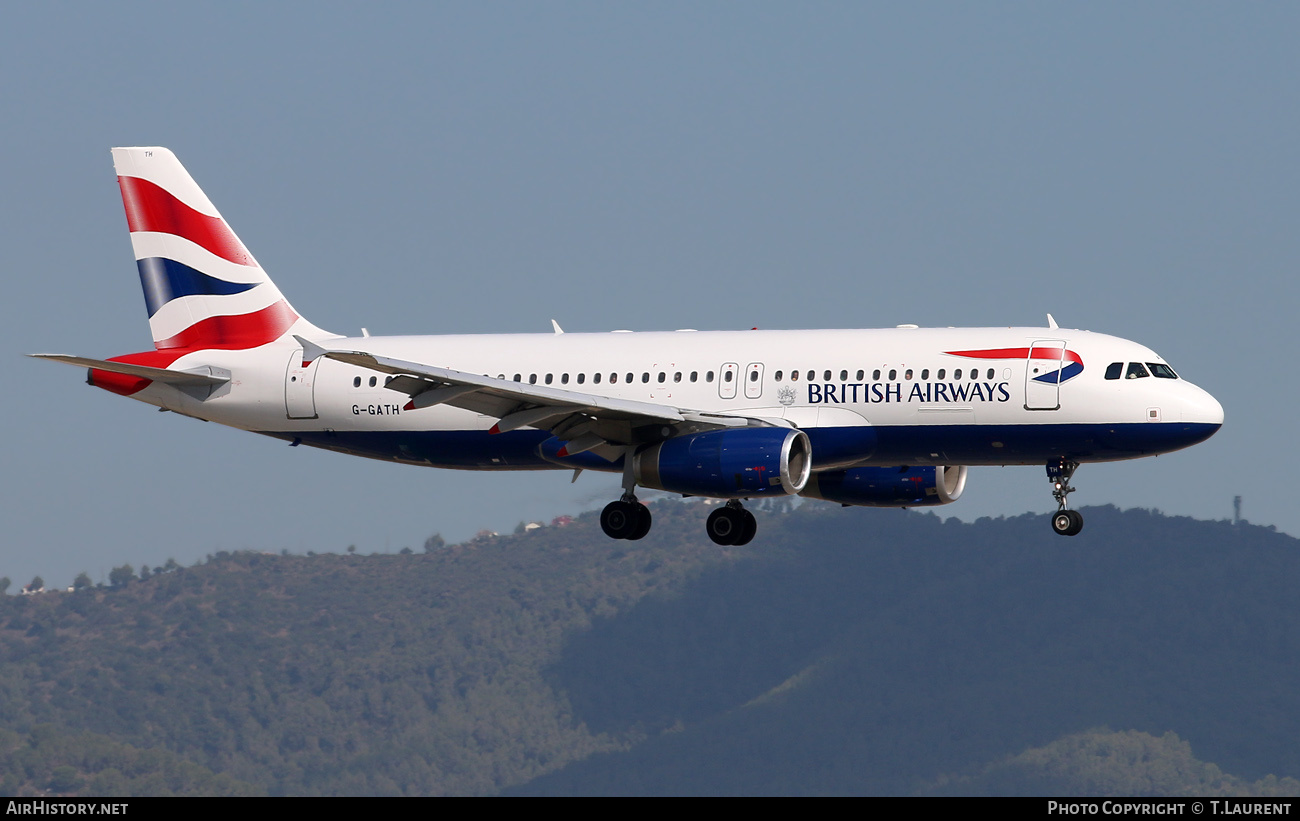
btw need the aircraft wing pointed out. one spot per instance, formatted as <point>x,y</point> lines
<point>584,421</point>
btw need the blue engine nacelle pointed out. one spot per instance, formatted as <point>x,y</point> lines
<point>889,487</point>
<point>733,463</point>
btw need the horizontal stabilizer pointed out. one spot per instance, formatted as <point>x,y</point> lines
<point>181,379</point>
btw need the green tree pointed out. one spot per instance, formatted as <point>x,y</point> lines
<point>4,585</point>
<point>119,576</point>
<point>37,584</point>
<point>82,582</point>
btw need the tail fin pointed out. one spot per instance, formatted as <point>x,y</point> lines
<point>201,286</point>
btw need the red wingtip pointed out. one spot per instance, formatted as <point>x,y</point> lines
<point>495,429</point>
<point>409,405</point>
<point>562,452</point>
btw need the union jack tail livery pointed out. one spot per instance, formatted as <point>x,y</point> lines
<point>202,288</point>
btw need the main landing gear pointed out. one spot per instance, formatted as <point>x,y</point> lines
<point>1065,522</point>
<point>731,525</point>
<point>627,518</point>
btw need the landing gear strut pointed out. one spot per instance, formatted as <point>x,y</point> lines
<point>627,518</point>
<point>731,525</point>
<point>1065,522</point>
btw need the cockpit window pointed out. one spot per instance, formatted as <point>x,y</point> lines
<point>1161,370</point>
<point>1136,371</point>
<point>1115,370</point>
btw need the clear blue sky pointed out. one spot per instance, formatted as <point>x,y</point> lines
<point>426,168</point>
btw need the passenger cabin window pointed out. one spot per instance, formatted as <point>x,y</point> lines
<point>813,375</point>
<point>595,377</point>
<point>893,375</point>
<point>753,376</point>
<point>356,383</point>
<point>941,373</point>
<point>373,380</point>
<point>582,377</point>
<point>860,375</point>
<point>875,375</point>
<point>548,379</point>
<point>532,379</point>
<point>1161,371</point>
<point>908,374</point>
<point>695,376</point>
<point>645,376</point>
<point>826,376</point>
<point>677,376</point>
<point>925,373</point>
<point>777,376</point>
<point>1115,370</point>
<point>708,377</point>
<point>956,374</point>
<point>726,376</point>
<point>844,376</point>
<point>990,376</point>
<point>518,378</point>
<point>1136,371</point>
<point>794,376</point>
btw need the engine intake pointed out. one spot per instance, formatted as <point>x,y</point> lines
<point>889,487</point>
<point>734,463</point>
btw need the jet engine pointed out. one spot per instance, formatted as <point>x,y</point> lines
<point>733,463</point>
<point>889,487</point>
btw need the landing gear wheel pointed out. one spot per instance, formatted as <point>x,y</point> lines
<point>1059,472</point>
<point>621,519</point>
<point>725,525</point>
<point>748,529</point>
<point>1067,522</point>
<point>643,521</point>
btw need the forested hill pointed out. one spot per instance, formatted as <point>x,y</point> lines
<point>843,651</point>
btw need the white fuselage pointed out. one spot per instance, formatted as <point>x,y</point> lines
<point>865,397</point>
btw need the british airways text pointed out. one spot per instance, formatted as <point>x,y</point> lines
<point>887,392</point>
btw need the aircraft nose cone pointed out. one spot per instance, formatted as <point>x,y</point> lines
<point>1202,408</point>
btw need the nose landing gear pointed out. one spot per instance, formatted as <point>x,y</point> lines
<point>1065,522</point>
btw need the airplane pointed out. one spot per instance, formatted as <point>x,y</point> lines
<point>882,417</point>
